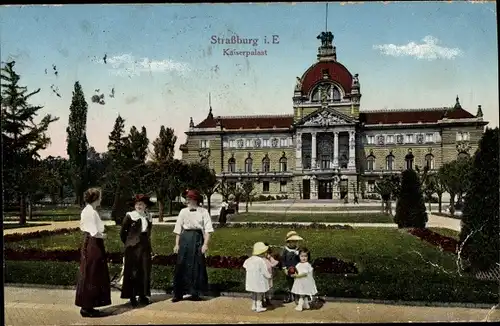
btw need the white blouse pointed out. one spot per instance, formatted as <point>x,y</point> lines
<point>91,222</point>
<point>199,219</point>
<point>144,217</point>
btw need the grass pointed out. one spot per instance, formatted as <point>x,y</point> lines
<point>7,226</point>
<point>447,232</point>
<point>320,208</point>
<point>393,264</point>
<point>304,217</point>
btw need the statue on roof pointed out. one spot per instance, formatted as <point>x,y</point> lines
<point>355,80</point>
<point>298,86</point>
<point>457,104</point>
<point>326,39</point>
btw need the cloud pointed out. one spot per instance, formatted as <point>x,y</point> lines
<point>127,64</point>
<point>429,50</point>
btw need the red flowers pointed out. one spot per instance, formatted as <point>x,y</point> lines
<point>445,243</point>
<point>330,265</point>
<point>35,235</point>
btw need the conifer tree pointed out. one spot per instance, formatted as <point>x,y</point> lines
<point>410,208</point>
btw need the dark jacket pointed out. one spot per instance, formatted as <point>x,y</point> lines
<point>131,230</point>
<point>289,259</point>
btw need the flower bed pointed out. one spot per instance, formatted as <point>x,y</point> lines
<point>329,265</point>
<point>14,237</point>
<point>445,243</point>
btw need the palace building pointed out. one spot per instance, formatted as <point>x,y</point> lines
<point>329,147</point>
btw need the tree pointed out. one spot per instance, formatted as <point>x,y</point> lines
<point>202,178</point>
<point>117,170</point>
<point>410,208</point>
<point>22,136</point>
<point>388,189</point>
<point>77,144</point>
<point>454,177</point>
<point>138,143</point>
<point>247,189</point>
<point>225,190</point>
<point>165,170</point>
<point>480,228</point>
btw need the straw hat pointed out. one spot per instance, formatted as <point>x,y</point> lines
<point>259,248</point>
<point>293,236</point>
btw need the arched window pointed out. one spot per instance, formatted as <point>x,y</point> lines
<point>231,165</point>
<point>370,163</point>
<point>283,164</point>
<point>316,94</point>
<point>266,164</point>
<point>389,162</point>
<point>204,161</point>
<point>463,155</point>
<point>429,161</point>
<point>409,161</point>
<point>336,94</point>
<point>248,165</point>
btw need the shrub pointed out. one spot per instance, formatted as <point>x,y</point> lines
<point>480,213</point>
<point>446,244</point>
<point>410,208</point>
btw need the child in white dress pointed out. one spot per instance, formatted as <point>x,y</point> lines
<point>304,285</point>
<point>257,275</point>
<point>271,263</point>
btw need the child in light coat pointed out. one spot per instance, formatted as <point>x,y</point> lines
<point>257,275</point>
<point>270,263</point>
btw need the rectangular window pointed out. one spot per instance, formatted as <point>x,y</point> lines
<point>204,143</point>
<point>370,140</point>
<point>265,186</point>
<point>265,143</point>
<point>409,139</point>
<point>390,139</point>
<point>282,186</point>
<point>232,143</point>
<point>371,186</point>
<point>465,136</point>
<point>248,143</point>
<point>429,138</point>
<point>283,142</point>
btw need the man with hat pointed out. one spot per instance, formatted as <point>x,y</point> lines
<point>135,233</point>
<point>192,234</point>
<point>290,259</point>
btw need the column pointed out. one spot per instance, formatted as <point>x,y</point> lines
<point>352,150</point>
<point>313,151</point>
<point>314,188</point>
<point>298,151</point>
<point>335,150</point>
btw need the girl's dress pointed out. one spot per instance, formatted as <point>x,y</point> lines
<point>270,264</point>
<point>304,285</point>
<point>257,275</point>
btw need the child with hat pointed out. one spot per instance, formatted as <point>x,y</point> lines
<point>257,275</point>
<point>271,263</point>
<point>290,259</point>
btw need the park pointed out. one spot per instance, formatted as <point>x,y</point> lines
<point>414,243</point>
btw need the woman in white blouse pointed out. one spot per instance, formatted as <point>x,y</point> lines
<point>93,288</point>
<point>192,229</point>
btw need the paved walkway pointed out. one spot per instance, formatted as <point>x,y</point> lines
<point>34,306</point>
<point>50,227</point>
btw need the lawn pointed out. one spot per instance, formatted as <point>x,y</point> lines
<point>315,217</point>
<point>392,263</point>
<point>7,226</point>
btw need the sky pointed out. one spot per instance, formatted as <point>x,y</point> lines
<point>162,65</point>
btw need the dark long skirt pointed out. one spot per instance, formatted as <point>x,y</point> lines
<point>190,276</point>
<point>137,269</point>
<point>93,288</point>
<point>223,216</point>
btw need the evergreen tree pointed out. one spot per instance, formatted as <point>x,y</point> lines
<point>22,136</point>
<point>77,144</point>
<point>480,214</point>
<point>410,208</point>
<point>166,170</point>
<point>138,143</point>
<point>118,150</point>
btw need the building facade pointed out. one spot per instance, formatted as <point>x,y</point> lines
<point>329,148</point>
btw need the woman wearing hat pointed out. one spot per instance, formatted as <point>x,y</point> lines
<point>93,288</point>
<point>136,235</point>
<point>290,258</point>
<point>192,229</point>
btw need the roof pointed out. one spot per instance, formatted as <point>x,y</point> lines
<point>413,116</point>
<point>336,71</point>
<point>248,122</point>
